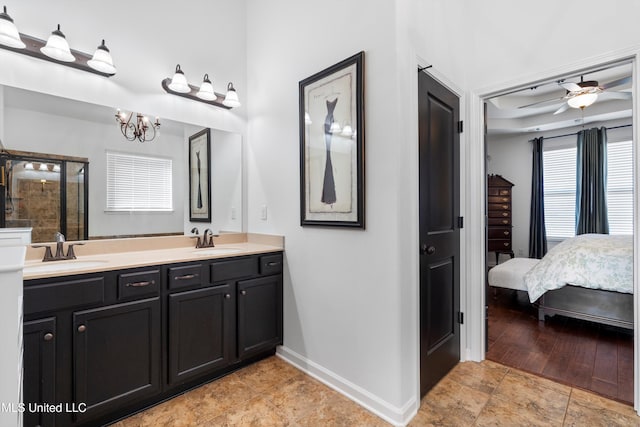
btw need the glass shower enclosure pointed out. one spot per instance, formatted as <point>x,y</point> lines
<point>46,192</point>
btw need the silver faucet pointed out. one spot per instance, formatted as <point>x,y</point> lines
<point>195,231</point>
<point>59,256</point>
<point>207,243</point>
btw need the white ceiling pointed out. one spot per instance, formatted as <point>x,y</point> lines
<point>505,114</point>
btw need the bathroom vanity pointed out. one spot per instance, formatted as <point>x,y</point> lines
<point>125,330</point>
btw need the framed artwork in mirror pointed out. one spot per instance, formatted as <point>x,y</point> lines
<point>200,176</point>
<point>331,120</point>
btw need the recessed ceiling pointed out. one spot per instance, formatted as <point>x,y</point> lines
<point>513,113</point>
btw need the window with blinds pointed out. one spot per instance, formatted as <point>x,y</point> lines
<point>560,190</point>
<point>138,183</point>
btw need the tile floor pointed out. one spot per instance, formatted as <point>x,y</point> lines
<point>273,393</point>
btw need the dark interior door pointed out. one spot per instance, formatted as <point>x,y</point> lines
<point>438,110</point>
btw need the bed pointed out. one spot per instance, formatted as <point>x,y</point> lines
<point>587,277</point>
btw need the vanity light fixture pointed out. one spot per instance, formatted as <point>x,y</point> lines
<point>9,35</point>
<point>142,129</point>
<point>43,167</point>
<point>102,60</point>
<point>178,85</point>
<point>55,49</point>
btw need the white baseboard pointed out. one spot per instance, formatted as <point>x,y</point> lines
<point>398,416</point>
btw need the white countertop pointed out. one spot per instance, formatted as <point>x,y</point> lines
<point>116,260</point>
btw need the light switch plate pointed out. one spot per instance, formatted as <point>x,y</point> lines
<point>263,212</point>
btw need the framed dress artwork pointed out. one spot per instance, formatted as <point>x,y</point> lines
<point>200,176</point>
<point>332,145</point>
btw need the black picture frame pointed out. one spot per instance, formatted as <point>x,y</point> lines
<point>331,120</point>
<point>200,176</point>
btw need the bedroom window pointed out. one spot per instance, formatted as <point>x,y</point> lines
<point>138,183</point>
<point>560,190</point>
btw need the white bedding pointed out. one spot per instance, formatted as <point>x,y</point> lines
<point>510,273</point>
<point>596,261</point>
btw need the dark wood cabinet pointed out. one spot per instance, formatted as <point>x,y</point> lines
<point>39,379</point>
<point>122,340</point>
<point>116,355</point>
<point>259,315</point>
<point>500,226</point>
<point>200,331</point>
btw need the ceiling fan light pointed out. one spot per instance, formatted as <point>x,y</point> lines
<point>57,47</point>
<point>583,100</point>
<point>9,35</point>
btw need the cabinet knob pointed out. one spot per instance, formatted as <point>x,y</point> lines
<point>506,244</point>
<point>243,292</point>
<point>48,336</point>
<point>506,233</point>
<point>82,328</point>
<point>505,206</point>
<point>227,296</point>
<point>505,214</point>
<point>505,221</point>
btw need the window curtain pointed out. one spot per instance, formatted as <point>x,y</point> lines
<point>537,231</point>
<point>591,182</point>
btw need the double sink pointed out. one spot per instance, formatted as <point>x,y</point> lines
<point>76,264</point>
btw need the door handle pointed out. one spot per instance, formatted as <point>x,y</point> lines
<point>428,250</point>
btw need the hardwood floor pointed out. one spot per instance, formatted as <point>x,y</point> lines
<point>574,352</point>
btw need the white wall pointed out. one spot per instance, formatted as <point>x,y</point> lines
<point>342,293</point>
<point>147,39</point>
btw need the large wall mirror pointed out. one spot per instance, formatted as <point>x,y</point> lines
<point>40,123</point>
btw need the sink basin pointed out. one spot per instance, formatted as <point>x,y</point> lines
<point>53,267</point>
<point>217,251</point>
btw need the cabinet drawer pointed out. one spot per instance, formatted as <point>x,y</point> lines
<point>499,214</point>
<point>138,284</point>
<point>499,199</point>
<point>499,206</point>
<point>499,220</point>
<point>185,276</point>
<point>499,245</point>
<point>234,269</point>
<point>271,264</point>
<point>499,232</point>
<point>61,295</point>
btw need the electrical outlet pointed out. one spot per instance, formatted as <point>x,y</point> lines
<point>520,252</point>
<point>233,212</point>
<point>263,212</point>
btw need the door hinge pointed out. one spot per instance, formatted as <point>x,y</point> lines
<point>461,318</point>
<point>460,126</point>
<point>460,222</point>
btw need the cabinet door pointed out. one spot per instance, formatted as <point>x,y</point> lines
<point>116,355</point>
<point>200,331</point>
<point>259,315</point>
<point>39,369</point>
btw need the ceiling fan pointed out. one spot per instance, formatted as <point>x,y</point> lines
<point>585,93</point>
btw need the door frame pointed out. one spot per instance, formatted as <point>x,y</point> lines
<point>474,165</point>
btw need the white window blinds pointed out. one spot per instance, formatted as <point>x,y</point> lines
<point>138,183</point>
<point>560,190</point>
<point>559,193</point>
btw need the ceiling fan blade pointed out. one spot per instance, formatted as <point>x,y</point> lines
<point>615,83</point>
<point>615,95</point>
<point>544,103</point>
<point>562,109</point>
<point>570,86</point>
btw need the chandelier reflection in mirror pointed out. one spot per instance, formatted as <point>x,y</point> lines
<point>140,129</point>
